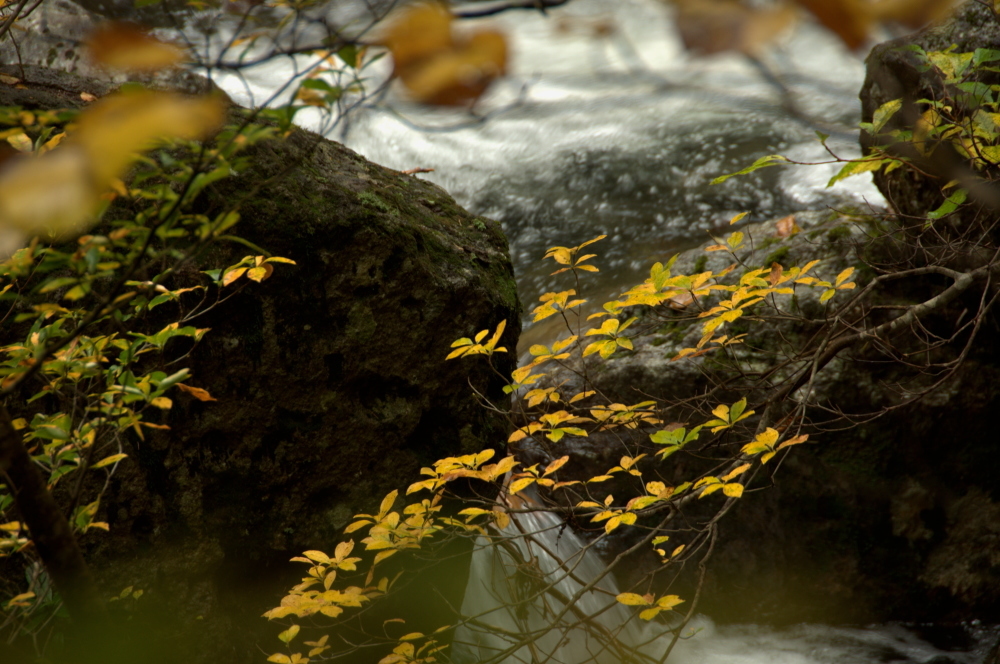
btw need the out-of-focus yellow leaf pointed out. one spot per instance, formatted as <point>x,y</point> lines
<point>54,195</point>
<point>729,25</point>
<point>128,47</point>
<point>460,75</point>
<point>786,226</point>
<point>435,65</point>
<point>851,20</point>
<point>116,127</point>
<point>418,32</point>
<point>20,142</point>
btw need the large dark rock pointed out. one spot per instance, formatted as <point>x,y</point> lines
<point>331,389</point>
<point>894,518</point>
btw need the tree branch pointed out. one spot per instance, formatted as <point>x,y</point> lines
<point>50,532</point>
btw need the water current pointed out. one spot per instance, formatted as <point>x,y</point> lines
<point>605,126</point>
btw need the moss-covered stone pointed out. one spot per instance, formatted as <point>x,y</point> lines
<point>331,390</point>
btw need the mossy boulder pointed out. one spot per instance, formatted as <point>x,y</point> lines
<point>894,71</point>
<point>330,384</point>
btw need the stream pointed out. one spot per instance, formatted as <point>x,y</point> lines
<point>604,125</point>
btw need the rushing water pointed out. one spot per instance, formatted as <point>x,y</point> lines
<point>623,134</point>
<point>507,596</point>
<point>605,126</point>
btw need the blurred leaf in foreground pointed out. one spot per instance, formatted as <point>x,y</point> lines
<point>56,194</point>
<point>438,66</point>
<point>129,47</point>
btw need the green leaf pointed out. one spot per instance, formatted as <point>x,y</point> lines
<point>981,55</point>
<point>349,54</point>
<point>173,379</point>
<point>884,114</point>
<point>950,204</point>
<point>856,168</point>
<point>763,162</point>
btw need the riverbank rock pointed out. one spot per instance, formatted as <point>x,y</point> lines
<point>330,385</point>
<point>894,71</point>
<point>879,519</point>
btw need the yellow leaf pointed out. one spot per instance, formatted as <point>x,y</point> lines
<point>795,441</point>
<point>21,600</point>
<point>278,658</point>
<point>632,599</point>
<point>260,273</point>
<point>501,519</point>
<point>555,465</point>
<point>768,437</point>
<point>649,614</point>
<point>21,142</point>
<point>786,227</point>
<point>289,634</point>
<point>844,276</point>
<point>437,68</point>
<point>388,501</point>
<point>128,47</point>
<point>736,472</point>
<point>197,392</point>
<point>382,555</point>
<point>317,556</point>
<point>232,275</point>
<point>162,402</point>
<point>668,602</point>
<point>738,217</point>
<point>519,484</point>
<point>107,461</point>
<point>733,490</point>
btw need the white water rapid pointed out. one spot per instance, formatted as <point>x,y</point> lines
<point>522,587</point>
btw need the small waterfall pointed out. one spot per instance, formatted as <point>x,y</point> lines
<point>526,604</point>
<point>539,595</point>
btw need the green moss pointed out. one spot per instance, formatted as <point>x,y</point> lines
<point>767,242</point>
<point>776,256</point>
<point>699,264</point>
<point>738,327</point>
<point>360,323</point>
<point>838,233</point>
<point>377,202</point>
